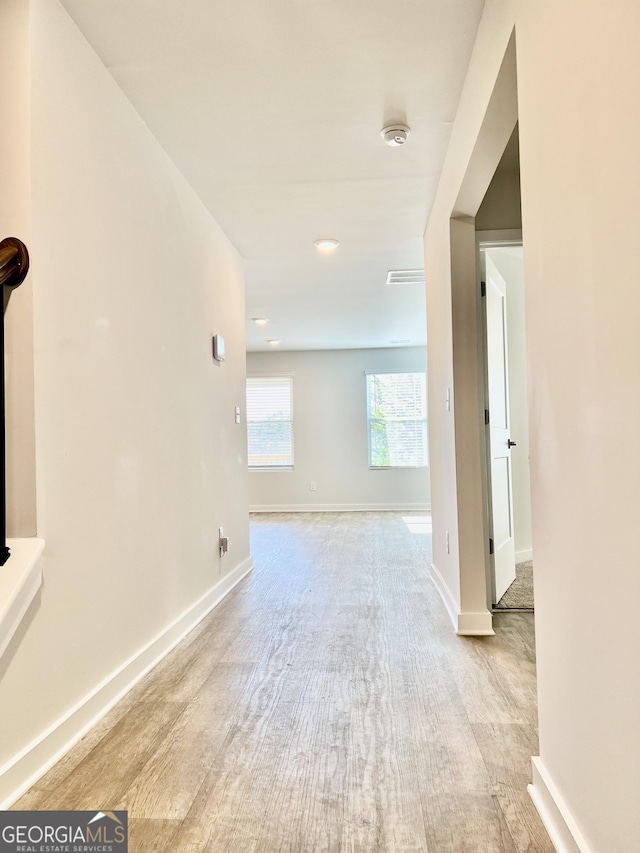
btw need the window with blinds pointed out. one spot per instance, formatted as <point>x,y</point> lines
<point>270,421</point>
<point>397,418</point>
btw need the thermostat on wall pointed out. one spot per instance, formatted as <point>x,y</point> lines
<point>218,347</point>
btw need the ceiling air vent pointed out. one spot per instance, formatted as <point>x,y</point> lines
<point>405,277</point>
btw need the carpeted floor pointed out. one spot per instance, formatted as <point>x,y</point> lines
<point>519,596</point>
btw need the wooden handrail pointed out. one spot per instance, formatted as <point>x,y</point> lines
<point>14,262</point>
<point>14,266</point>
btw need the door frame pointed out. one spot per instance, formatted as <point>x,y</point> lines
<point>454,403</point>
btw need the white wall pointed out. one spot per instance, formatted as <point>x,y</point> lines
<point>579,138</point>
<point>138,456</point>
<point>580,191</point>
<point>500,208</point>
<point>330,434</point>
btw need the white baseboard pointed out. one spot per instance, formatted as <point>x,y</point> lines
<point>402,507</point>
<point>24,769</point>
<point>475,624</point>
<point>466,624</point>
<point>554,812</point>
<point>446,595</point>
<point>524,556</point>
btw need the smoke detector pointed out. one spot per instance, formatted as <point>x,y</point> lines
<point>395,134</point>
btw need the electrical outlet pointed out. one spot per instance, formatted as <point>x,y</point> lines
<point>446,539</point>
<point>313,485</point>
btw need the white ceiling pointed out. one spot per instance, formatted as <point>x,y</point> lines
<point>272,109</point>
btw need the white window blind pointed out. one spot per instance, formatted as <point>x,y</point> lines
<point>397,418</point>
<point>270,421</point>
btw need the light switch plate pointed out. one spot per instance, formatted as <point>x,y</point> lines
<point>218,347</point>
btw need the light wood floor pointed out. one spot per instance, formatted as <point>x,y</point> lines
<point>325,705</point>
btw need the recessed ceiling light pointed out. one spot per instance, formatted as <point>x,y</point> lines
<point>261,321</point>
<point>273,343</point>
<point>326,244</point>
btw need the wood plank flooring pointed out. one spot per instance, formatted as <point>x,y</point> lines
<point>325,705</point>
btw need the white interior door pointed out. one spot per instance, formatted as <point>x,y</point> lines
<point>499,428</point>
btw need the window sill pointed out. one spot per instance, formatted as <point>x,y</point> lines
<point>398,467</point>
<point>273,470</point>
<point>20,580</point>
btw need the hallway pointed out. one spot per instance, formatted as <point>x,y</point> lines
<point>325,705</point>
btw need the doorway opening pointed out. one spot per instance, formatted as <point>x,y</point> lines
<point>507,486</point>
